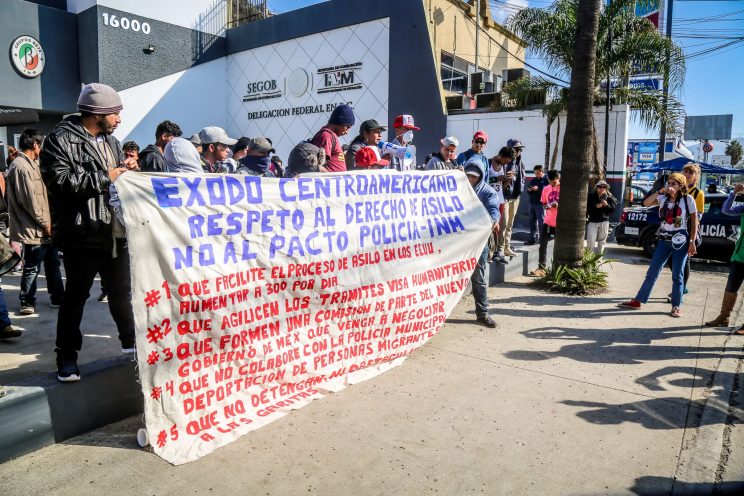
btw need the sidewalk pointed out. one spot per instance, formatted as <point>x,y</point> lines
<point>569,395</point>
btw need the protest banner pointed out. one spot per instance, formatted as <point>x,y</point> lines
<point>254,296</point>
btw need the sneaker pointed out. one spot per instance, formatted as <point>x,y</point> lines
<point>103,297</point>
<point>631,304</point>
<point>27,310</point>
<point>537,273</point>
<point>686,290</point>
<point>509,253</point>
<point>486,320</point>
<point>67,370</point>
<point>9,332</point>
<point>53,304</point>
<point>676,312</point>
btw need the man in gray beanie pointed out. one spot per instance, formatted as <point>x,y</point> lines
<point>79,160</point>
<point>341,120</point>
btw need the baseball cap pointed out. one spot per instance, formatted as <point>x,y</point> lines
<point>481,135</point>
<point>261,144</point>
<point>195,139</point>
<point>405,121</point>
<point>601,183</point>
<point>242,144</point>
<point>369,156</point>
<point>214,134</point>
<point>371,125</point>
<point>450,141</point>
<point>515,143</point>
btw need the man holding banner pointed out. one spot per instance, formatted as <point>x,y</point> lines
<point>79,161</point>
<point>490,200</point>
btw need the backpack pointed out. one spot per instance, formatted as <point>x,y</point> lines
<point>334,140</point>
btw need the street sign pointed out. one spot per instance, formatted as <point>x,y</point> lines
<point>707,147</point>
<point>647,152</point>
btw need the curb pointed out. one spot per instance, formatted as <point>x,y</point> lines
<point>702,460</point>
<point>44,411</point>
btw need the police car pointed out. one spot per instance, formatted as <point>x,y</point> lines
<point>638,226</point>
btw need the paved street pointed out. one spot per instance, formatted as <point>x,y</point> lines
<point>570,395</point>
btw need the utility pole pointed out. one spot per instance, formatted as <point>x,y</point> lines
<point>662,134</point>
<point>607,103</point>
<point>477,31</point>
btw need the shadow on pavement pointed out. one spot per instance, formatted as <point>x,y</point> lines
<point>653,486</point>
<point>621,346</point>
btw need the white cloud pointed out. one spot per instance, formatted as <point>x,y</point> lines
<point>501,10</point>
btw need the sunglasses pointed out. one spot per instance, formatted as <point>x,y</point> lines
<point>601,187</point>
<point>479,142</point>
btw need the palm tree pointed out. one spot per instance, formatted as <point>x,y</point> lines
<point>734,150</point>
<point>637,47</point>
<point>537,91</point>
<point>577,144</point>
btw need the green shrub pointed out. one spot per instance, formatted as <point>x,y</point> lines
<point>585,279</point>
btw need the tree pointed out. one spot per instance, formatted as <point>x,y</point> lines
<point>734,150</point>
<point>577,144</point>
<point>636,47</point>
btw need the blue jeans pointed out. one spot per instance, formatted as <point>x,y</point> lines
<point>4,318</point>
<point>537,217</point>
<point>33,256</point>
<point>480,288</point>
<point>662,253</point>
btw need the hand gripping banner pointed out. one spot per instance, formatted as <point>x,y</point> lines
<point>254,296</point>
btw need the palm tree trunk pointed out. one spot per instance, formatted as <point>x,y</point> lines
<point>554,159</point>
<point>577,143</point>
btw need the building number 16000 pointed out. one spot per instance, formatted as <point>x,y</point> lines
<point>125,23</point>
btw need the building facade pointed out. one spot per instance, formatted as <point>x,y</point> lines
<point>279,77</point>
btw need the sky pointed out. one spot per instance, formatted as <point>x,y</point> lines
<point>714,82</point>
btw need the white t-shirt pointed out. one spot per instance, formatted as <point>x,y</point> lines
<point>497,185</point>
<point>677,219</point>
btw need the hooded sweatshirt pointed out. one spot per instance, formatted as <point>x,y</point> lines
<point>485,193</point>
<point>152,160</point>
<point>181,157</point>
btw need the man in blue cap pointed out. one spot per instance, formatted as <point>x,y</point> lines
<point>341,120</point>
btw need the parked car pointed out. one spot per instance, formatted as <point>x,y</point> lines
<point>638,226</point>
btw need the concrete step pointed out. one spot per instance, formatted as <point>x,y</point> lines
<point>521,265</point>
<point>44,411</point>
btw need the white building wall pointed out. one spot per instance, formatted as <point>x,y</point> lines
<point>193,99</point>
<point>298,75</point>
<point>529,126</point>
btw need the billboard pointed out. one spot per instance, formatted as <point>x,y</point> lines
<point>286,91</point>
<point>708,127</point>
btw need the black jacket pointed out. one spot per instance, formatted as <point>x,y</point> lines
<point>151,160</point>
<point>77,181</point>
<point>595,214</point>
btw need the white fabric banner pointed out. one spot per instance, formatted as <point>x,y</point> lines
<point>254,296</point>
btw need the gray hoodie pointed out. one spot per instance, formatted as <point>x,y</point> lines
<point>181,157</point>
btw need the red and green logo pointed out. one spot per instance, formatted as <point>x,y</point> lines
<point>27,56</point>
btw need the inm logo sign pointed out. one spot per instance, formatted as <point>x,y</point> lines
<point>339,78</point>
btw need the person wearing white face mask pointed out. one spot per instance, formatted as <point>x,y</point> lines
<point>404,128</point>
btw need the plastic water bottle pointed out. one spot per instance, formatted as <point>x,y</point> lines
<point>387,148</point>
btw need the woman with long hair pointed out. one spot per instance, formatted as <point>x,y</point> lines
<point>677,231</point>
<point>736,271</point>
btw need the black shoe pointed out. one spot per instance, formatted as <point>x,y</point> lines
<point>487,321</point>
<point>498,258</point>
<point>67,369</point>
<point>8,332</point>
